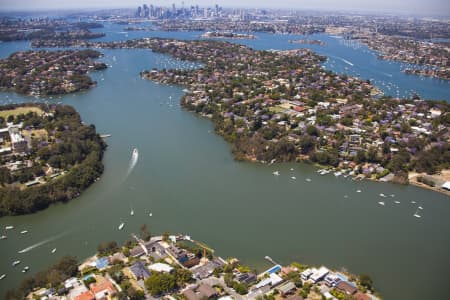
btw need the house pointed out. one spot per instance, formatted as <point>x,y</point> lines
<point>102,263</point>
<point>85,296</point>
<point>318,274</point>
<point>306,274</point>
<point>246,278</point>
<point>346,287</point>
<point>18,143</point>
<point>103,289</point>
<point>287,288</point>
<point>161,267</point>
<point>203,271</point>
<point>332,279</point>
<point>272,280</point>
<point>139,271</point>
<point>203,291</point>
<point>137,251</point>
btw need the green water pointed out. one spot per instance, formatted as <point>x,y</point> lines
<point>186,177</point>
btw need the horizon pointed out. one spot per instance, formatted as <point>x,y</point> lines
<point>400,8</point>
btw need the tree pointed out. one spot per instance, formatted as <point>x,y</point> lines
<point>107,248</point>
<point>312,130</point>
<point>159,283</point>
<point>145,233</point>
<point>366,281</point>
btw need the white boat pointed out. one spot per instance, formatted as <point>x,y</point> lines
<point>292,169</point>
<point>121,226</point>
<point>9,227</point>
<point>132,212</point>
<point>15,263</point>
<point>54,250</point>
<point>392,195</point>
<point>307,179</point>
<point>293,177</point>
<point>3,237</point>
<point>276,173</point>
<point>135,152</point>
<point>420,207</point>
<point>381,203</point>
<point>2,276</point>
<point>382,195</point>
<point>358,191</point>
<point>24,231</point>
<point>413,202</point>
<point>337,174</point>
<point>150,214</point>
<point>25,269</point>
<point>397,202</point>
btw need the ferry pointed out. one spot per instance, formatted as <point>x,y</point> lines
<point>121,226</point>
<point>2,276</point>
<point>15,263</point>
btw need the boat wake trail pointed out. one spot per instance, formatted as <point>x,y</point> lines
<point>343,59</point>
<point>133,162</point>
<point>25,250</point>
<point>346,61</point>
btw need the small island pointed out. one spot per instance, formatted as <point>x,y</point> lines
<point>227,35</point>
<point>42,73</point>
<point>178,267</point>
<point>47,155</point>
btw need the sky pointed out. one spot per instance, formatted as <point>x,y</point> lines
<point>440,7</point>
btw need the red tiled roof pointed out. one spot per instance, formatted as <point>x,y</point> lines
<point>101,286</point>
<point>85,296</point>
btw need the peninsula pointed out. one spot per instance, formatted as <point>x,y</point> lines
<point>42,73</point>
<point>178,267</point>
<point>277,106</point>
<point>47,155</point>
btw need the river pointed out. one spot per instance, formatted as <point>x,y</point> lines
<point>186,177</point>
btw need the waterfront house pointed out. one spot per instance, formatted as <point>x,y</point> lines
<point>319,274</point>
<point>346,287</point>
<point>287,288</point>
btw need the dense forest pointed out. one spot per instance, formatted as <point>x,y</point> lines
<point>72,147</point>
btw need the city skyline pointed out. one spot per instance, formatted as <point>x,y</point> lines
<point>433,7</point>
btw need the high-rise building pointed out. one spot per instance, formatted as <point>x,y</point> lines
<point>146,11</point>
<point>138,12</point>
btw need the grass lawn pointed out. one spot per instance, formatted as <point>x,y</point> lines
<point>20,110</point>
